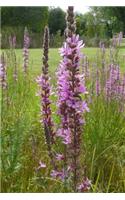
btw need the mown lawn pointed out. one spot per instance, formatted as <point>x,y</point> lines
<point>54,57</point>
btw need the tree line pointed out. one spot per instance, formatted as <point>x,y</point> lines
<point>98,22</point>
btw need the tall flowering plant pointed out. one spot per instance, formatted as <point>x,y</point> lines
<point>71,108</point>
<point>45,90</point>
<point>3,74</point>
<point>26,50</point>
<point>12,43</point>
<point>71,105</point>
<point>3,79</point>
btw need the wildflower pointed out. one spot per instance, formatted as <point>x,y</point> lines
<point>59,156</point>
<point>113,84</point>
<point>41,165</point>
<point>65,135</point>
<point>3,81</point>
<point>85,185</point>
<point>26,50</point>
<point>62,175</point>
<point>58,174</point>
<point>70,21</point>
<point>70,104</point>
<point>43,82</point>
<point>44,85</point>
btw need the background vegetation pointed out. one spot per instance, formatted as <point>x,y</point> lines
<point>100,23</point>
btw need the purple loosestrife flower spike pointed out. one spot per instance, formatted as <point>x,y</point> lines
<point>86,68</point>
<point>3,79</point>
<point>85,185</point>
<point>26,50</point>
<point>97,84</point>
<point>70,104</point>
<point>70,21</point>
<point>15,66</point>
<point>123,85</point>
<point>113,85</point>
<point>43,82</point>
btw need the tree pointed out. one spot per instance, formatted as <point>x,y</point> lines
<point>81,24</point>
<point>56,20</point>
<point>113,17</point>
<point>33,17</point>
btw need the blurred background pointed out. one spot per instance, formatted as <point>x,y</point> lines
<point>93,24</point>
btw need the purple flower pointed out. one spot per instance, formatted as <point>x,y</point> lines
<point>85,107</point>
<point>113,83</point>
<point>26,50</point>
<point>41,165</point>
<point>62,175</point>
<point>54,173</point>
<point>85,185</point>
<point>57,174</point>
<point>44,93</point>
<point>59,156</point>
<point>71,106</point>
<point>3,78</point>
<point>65,135</point>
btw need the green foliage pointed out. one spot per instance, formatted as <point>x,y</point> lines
<point>113,18</point>
<point>100,23</point>
<point>81,23</point>
<point>104,146</point>
<point>56,40</point>
<point>34,18</point>
<point>56,20</point>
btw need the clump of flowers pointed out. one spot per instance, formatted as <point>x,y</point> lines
<point>85,67</point>
<point>12,43</point>
<point>112,87</point>
<point>85,185</point>
<point>3,79</point>
<point>71,108</point>
<point>26,51</point>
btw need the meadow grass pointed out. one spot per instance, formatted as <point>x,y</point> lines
<point>54,57</point>
<point>23,142</point>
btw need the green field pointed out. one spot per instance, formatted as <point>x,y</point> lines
<point>54,57</point>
